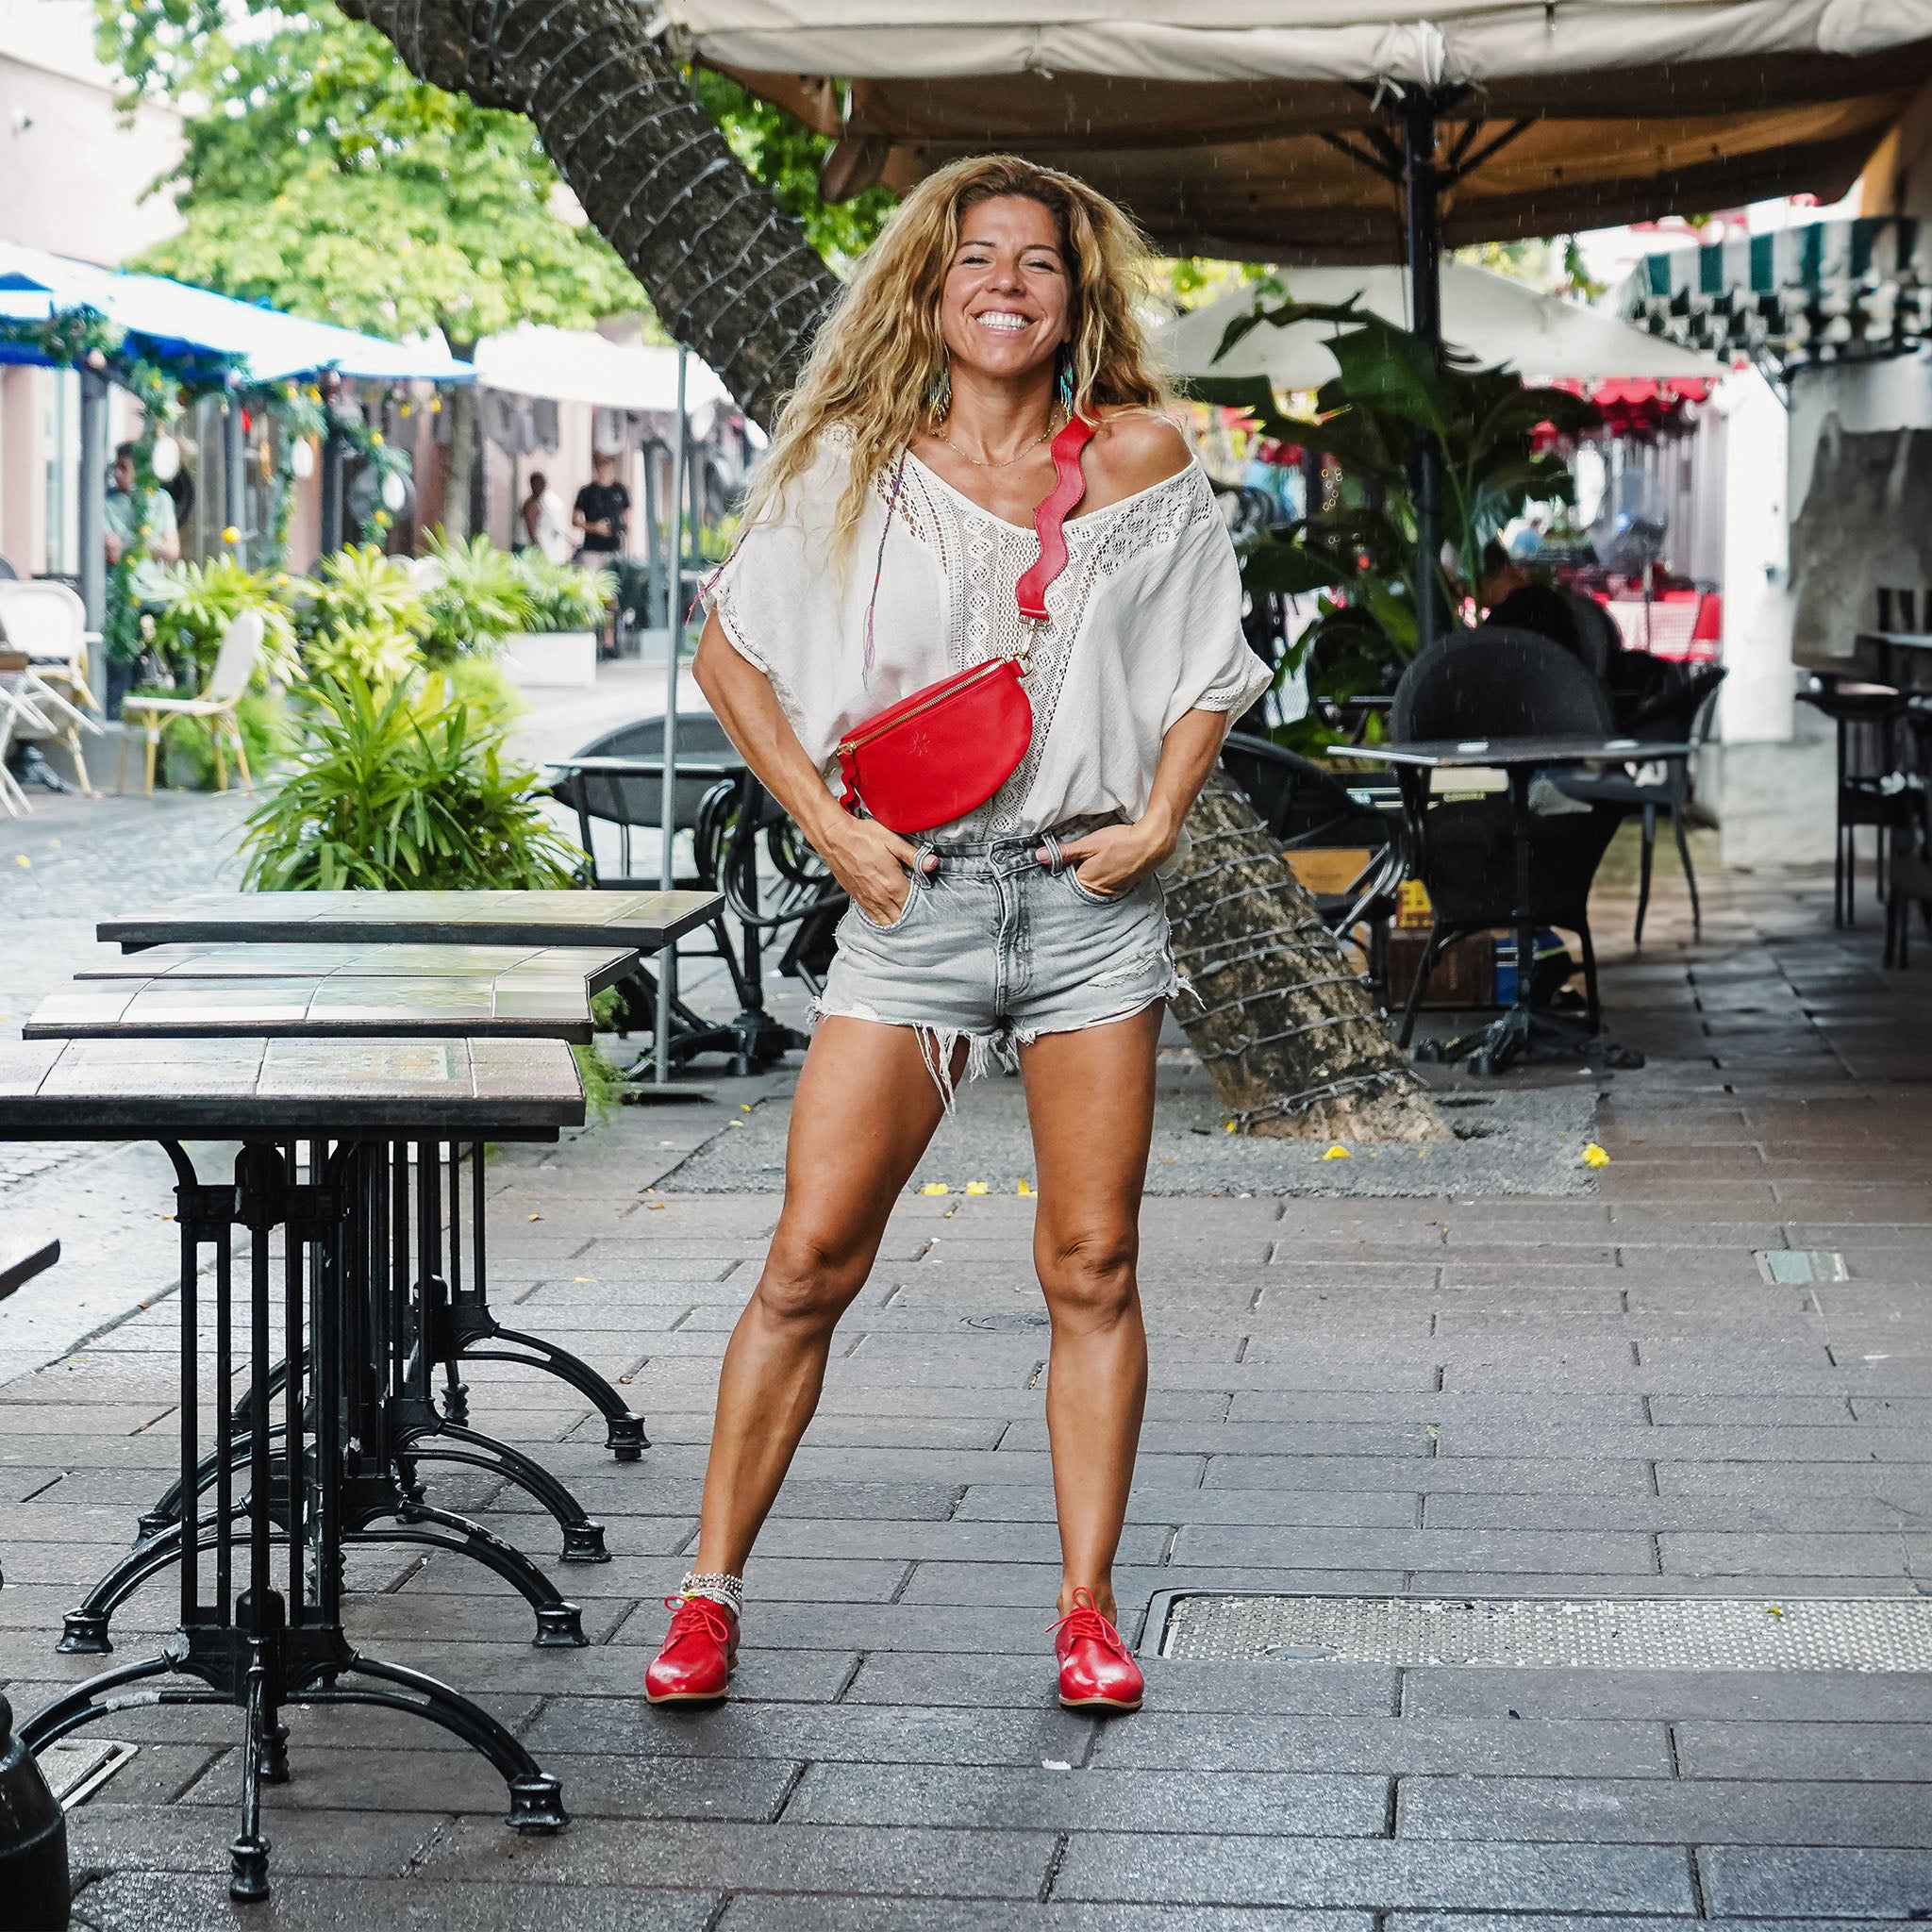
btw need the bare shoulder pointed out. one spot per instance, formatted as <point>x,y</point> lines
<point>1133,449</point>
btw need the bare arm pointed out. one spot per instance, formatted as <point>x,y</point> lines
<point>868,860</point>
<point>1117,857</point>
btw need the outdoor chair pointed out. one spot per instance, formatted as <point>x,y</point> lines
<point>1679,714</point>
<point>1871,789</point>
<point>728,815</point>
<point>1307,808</point>
<point>16,707</point>
<point>49,623</point>
<point>234,666</point>
<point>1494,683</point>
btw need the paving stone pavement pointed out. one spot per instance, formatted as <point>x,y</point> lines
<point>1594,1394</point>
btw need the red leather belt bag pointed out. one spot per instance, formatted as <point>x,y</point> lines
<point>944,751</point>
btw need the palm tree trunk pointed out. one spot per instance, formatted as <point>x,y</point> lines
<point>1289,1035</point>
<point>1279,1018</point>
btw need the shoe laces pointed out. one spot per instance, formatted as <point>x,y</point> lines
<point>691,1614</point>
<point>1085,1623</point>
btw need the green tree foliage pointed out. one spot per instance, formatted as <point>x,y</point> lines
<point>319,175</point>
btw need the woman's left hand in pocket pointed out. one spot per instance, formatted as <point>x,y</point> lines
<point>1113,859</point>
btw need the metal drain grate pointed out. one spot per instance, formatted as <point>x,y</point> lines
<point>1607,1633</point>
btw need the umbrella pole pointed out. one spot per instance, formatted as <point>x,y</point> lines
<point>1422,240</point>
<point>667,959</point>
<point>94,496</point>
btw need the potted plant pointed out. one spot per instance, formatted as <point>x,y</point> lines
<point>567,607</point>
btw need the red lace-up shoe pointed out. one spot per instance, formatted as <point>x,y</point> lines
<point>1097,1670</point>
<point>700,1649</point>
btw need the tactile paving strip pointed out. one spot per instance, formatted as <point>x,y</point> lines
<point>1609,1633</point>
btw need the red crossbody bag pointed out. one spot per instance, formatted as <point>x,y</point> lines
<point>944,751</point>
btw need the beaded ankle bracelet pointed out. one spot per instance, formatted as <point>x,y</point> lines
<point>728,1591</point>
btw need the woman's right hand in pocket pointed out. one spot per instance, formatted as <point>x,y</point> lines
<point>876,868</point>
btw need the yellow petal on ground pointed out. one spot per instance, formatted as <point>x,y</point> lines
<point>21,858</point>
<point>745,1107</point>
<point>1026,1187</point>
<point>1338,1152</point>
<point>1594,1155</point>
<point>935,1188</point>
<point>535,1217</point>
<point>1230,1127</point>
<point>975,1186</point>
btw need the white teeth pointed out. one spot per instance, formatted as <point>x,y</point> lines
<point>1011,324</point>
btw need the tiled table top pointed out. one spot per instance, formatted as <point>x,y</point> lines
<point>548,997</point>
<point>254,1086</point>
<point>596,966</point>
<point>642,920</point>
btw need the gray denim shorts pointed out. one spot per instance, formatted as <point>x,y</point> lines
<point>995,948</point>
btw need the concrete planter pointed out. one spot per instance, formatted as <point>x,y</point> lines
<point>552,658</point>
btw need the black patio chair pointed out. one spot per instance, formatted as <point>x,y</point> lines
<point>1495,683</point>
<point>1677,714</point>
<point>1307,807</point>
<point>1565,617</point>
<point>1871,788</point>
<point>616,779</point>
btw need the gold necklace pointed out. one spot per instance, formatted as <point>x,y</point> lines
<point>1006,462</point>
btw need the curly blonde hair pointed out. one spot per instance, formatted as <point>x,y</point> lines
<point>874,367</point>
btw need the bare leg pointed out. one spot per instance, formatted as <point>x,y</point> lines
<point>1090,1097</point>
<point>866,1109</point>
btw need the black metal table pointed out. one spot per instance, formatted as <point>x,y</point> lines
<point>243,1640</point>
<point>368,925</point>
<point>1520,1029</point>
<point>1888,645</point>
<point>396,1426</point>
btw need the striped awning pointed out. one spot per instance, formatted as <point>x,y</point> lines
<point>1829,292</point>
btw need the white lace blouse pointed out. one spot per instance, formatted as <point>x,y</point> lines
<point>1144,625</point>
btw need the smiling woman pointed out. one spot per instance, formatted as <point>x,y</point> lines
<point>914,535</point>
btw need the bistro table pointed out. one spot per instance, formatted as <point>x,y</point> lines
<point>242,1639</point>
<point>1887,645</point>
<point>641,921</point>
<point>396,1423</point>
<point>1520,1029</point>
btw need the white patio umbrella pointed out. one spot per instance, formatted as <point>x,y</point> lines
<point>1262,128</point>
<point>1345,130</point>
<point>1502,324</point>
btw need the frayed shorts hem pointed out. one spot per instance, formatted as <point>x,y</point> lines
<point>1001,1046</point>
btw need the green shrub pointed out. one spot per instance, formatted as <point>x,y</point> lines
<point>563,597</point>
<point>484,597</point>
<point>198,603</point>
<point>361,616</point>
<point>486,687</point>
<point>401,789</point>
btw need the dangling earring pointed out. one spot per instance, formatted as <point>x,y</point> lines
<point>1063,389</point>
<point>939,391</point>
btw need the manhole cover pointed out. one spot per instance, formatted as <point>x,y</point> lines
<point>1609,1633</point>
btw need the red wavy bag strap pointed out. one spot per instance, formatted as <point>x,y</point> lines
<point>1049,520</point>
